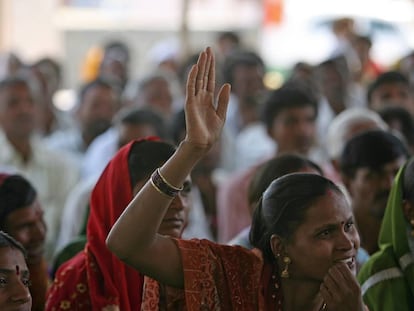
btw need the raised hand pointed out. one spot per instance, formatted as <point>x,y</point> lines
<point>204,120</point>
<point>340,290</point>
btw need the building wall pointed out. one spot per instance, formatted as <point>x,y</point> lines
<point>37,28</point>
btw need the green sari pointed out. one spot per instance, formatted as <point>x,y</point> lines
<point>387,279</point>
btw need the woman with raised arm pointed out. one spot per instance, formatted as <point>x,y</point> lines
<point>95,279</point>
<point>302,229</point>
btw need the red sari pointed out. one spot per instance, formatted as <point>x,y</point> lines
<point>220,278</point>
<point>212,280</point>
<point>95,279</point>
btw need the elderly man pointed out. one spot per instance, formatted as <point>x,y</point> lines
<point>51,173</point>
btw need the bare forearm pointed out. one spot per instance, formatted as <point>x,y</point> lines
<point>136,230</point>
<point>134,236</point>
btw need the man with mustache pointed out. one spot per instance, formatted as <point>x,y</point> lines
<point>50,172</point>
<point>21,216</point>
<point>368,164</point>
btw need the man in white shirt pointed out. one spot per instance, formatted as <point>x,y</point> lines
<point>98,103</point>
<point>51,173</point>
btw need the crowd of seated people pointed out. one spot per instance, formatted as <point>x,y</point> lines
<point>166,164</point>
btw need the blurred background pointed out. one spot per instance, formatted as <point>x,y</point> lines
<point>96,74</point>
<point>283,32</point>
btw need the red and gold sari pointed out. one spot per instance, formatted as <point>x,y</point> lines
<point>95,279</point>
<point>213,280</point>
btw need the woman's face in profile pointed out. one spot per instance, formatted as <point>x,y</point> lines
<point>327,237</point>
<point>14,281</point>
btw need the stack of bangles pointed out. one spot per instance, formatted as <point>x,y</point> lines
<point>163,186</point>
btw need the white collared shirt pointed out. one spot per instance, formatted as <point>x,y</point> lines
<point>51,173</point>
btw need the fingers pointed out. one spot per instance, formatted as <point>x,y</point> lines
<point>343,277</point>
<point>202,77</point>
<point>206,71</point>
<point>209,64</point>
<point>201,64</point>
<point>191,81</point>
<point>223,101</point>
<point>211,73</point>
<point>330,286</point>
<point>340,286</point>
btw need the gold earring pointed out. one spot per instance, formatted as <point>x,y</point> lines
<point>285,271</point>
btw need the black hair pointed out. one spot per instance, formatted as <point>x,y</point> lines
<point>118,45</point>
<point>392,113</point>
<point>240,58</point>
<point>98,82</point>
<point>15,192</point>
<point>52,63</point>
<point>290,95</point>
<point>283,208</point>
<point>141,116</point>
<point>12,81</point>
<point>229,35</point>
<point>337,61</point>
<point>275,168</point>
<point>8,241</point>
<point>371,149</point>
<point>302,66</point>
<point>408,184</point>
<point>357,38</point>
<point>145,157</point>
<point>389,77</point>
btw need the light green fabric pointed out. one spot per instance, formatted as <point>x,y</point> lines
<point>387,279</point>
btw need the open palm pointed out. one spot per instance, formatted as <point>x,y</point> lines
<point>204,120</point>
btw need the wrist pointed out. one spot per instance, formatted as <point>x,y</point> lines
<point>198,150</point>
<point>179,166</point>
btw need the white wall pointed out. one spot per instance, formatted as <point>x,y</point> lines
<point>37,28</point>
<point>27,27</point>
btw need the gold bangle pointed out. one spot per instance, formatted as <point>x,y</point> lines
<point>159,190</point>
<point>167,183</point>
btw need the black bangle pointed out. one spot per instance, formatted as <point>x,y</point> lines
<point>163,186</point>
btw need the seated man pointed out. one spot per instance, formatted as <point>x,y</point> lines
<point>14,294</point>
<point>21,216</point>
<point>52,172</point>
<point>388,277</point>
<point>391,88</point>
<point>368,164</point>
<point>289,115</point>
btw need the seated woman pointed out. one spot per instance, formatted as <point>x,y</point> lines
<point>14,275</point>
<point>21,216</point>
<point>95,279</point>
<point>388,277</point>
<point>303,231</point>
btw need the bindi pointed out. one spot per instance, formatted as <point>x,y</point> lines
<point>17,270</point>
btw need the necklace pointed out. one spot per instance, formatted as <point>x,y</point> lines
<point>276,294</point>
